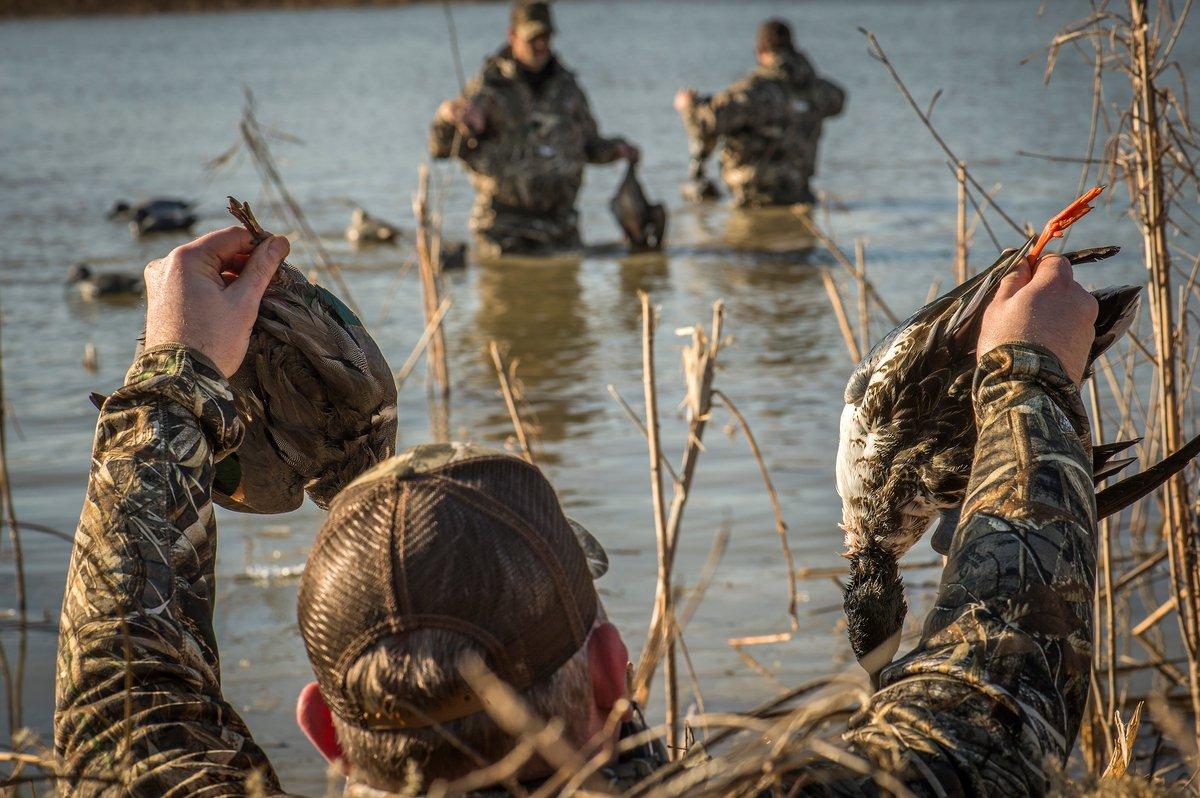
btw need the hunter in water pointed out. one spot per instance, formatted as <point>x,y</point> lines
<point>524,130</point>
<point>769,124</point>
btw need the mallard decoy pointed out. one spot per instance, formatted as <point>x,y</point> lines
<point>110,285</point>
<point>315,394</point>
<point>644,224</point>
<point>366,229</point>
<point>159,205</point>
<point>907,437</point>
<point>159,215</point>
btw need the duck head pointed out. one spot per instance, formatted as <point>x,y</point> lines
<point>119,210</point>
<point>78,273</point>
<point>875,608</point>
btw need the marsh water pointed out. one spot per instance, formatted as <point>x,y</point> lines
<point>97,109</point>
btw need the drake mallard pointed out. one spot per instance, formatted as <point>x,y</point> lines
<point>366,229</point>
<point>111,285</point>
<point>907,438</point>
<point>315,394</point>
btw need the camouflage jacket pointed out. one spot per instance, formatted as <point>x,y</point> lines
<point>994,690</point>
<point>527,166</point>
<point>138,694</point>
<point>770,122</point>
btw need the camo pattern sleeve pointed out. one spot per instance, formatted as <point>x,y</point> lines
<point>139,709</point>
<point>752,102</point>
<point>442,134</point>
<point>597,148</point>
<point>994,691</point>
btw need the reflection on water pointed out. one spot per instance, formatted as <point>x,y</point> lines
<point>772,230</point>
<point>537,311</point>
<point>81,124</point>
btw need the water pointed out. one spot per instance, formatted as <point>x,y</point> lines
<point>92,110</point>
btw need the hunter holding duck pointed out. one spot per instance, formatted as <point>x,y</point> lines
<point>525,131</point>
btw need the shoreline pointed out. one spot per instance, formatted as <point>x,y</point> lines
<point>32,9</point>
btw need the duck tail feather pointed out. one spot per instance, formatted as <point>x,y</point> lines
<point>1111,468</point>
<point>1117,497</point>
<point>1103,452</point>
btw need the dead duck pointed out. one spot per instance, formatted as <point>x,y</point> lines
<point>315,394</point>
<point>644,224</point>
<point>109,285</point>
<point>907,438</point>
<point>366,229</point>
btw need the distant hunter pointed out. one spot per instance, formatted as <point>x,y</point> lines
<point>769,122</point>
<point>524,130</point>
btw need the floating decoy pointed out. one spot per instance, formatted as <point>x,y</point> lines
<point>159,206</point>
<point>159,215</point>
<point>111,285</point>
<point>453,255</point>
<point>315,394</point>
<point>366,229</point>
<point>907,437</point>
<point>643,224</point>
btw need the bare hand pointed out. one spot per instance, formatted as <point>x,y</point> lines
<point>466,115</point>
<point>684,100</point>
<point>1043,306</point>
<point>205,294</point>
<point>629,152</point>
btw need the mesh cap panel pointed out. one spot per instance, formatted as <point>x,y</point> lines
<point>461,539</point>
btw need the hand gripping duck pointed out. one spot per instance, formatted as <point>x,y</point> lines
<point>907,437</point>
<point>314,392</point>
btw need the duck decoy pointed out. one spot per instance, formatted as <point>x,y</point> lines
<point>110,285</point>
<point>644,224</point>
<point>907,437</point>
<point>453,255</point>
<point>366,229</point>
<point>125,211</point>
<point>159,215</point>
<point>315,394</point>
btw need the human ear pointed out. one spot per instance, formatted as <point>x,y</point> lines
<point>316,721</point>
<point>607,662</point>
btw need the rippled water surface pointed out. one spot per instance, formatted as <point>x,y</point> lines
<point>92,110</point>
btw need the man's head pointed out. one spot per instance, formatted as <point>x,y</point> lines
<point>529,32</point>
<point>773,41</point>
<point>443,554</point>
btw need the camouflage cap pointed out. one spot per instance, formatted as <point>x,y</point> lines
<point>456,538</point>
<point>530,19</point>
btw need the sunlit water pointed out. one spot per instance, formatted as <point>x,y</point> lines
<point>92,110</point>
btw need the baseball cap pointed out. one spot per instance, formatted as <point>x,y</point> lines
<point>457,538</point>
<point>531,19</point>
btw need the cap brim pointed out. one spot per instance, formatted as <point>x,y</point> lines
<point>528,31</point>
<point>597,557</point>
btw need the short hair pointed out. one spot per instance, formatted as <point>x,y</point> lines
<point>423,665</point>
<point>774,36</point>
